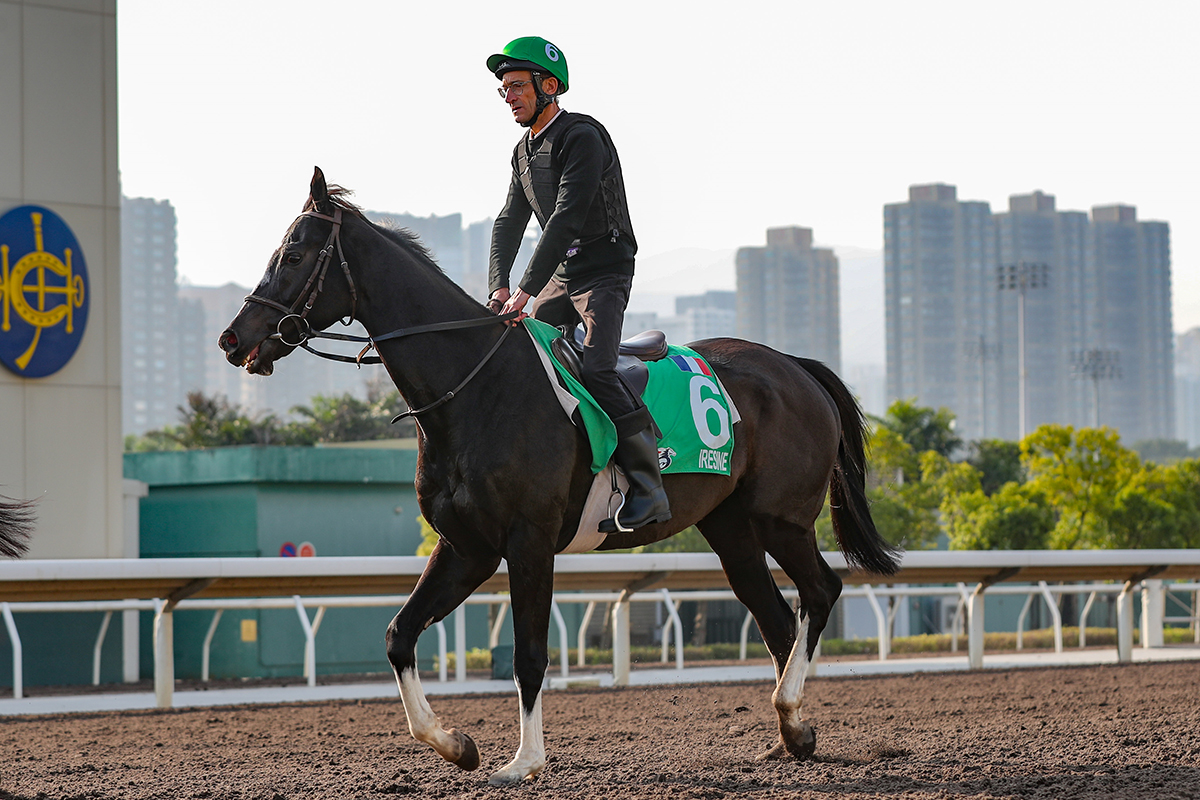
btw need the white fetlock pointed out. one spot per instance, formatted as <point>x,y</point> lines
<point>531,755</point>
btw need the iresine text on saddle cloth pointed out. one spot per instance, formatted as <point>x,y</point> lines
<point>690,406</point>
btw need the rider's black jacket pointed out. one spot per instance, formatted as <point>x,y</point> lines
<point>572,174</point>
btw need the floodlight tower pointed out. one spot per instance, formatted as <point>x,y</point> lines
<point>1096,365</point>
<point>1019,277</point>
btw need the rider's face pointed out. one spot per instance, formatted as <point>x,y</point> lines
<point>522,101</point>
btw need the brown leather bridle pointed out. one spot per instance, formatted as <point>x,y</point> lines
<point>317,277</point>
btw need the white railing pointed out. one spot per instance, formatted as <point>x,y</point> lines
<point>180,583</point>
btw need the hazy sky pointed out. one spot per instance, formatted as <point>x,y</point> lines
<point>729,118</point>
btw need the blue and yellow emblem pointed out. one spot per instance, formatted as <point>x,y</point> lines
<point>43,292</point>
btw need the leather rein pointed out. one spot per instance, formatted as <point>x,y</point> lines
<point>298,312</point>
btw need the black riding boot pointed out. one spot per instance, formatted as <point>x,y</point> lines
<point>637,455</point>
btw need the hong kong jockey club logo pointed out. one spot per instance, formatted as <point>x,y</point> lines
<point>44,292</point>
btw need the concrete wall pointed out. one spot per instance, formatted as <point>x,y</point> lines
<point>60,436</point>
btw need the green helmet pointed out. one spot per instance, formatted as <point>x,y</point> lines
<point>531,53</point>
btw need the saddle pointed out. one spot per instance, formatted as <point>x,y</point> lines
<point>631,369</point>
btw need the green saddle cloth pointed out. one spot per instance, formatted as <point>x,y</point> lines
<point>685,398</point>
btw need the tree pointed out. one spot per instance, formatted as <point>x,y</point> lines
<point>1159,507</point>
<point>904,490</point>
<point>346,418</point>
<point>1084,472</point>
<point>1015,517</point>
<point>1164,451</point>
<point>211,421</point>
<point>998,462</point>
<point>923,428</point>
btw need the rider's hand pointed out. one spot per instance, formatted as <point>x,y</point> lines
<point>497,300</point>
<point>515,302</point>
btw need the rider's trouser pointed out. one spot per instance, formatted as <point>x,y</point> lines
<point>599,303</point>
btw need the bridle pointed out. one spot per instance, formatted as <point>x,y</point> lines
<point>317,276</point>
<point>298,311</point>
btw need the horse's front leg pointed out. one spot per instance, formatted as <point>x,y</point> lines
<point>531,581</point>
<point>448,580</point>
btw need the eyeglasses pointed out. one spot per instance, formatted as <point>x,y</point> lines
<point>515,86</point>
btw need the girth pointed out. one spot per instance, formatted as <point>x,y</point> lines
<point>631,369</point>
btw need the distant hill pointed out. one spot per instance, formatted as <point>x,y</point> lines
<point>662,277</point>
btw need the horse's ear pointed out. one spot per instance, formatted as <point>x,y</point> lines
<point>318,193</point>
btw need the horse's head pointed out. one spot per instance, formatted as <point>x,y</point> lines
<point>299,291</point>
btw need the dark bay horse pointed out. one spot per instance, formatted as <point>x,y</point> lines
<point>502,472</point>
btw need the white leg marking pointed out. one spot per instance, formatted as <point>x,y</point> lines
<point>788,690</point>
<point>422,723</point>
<point>531,755</point>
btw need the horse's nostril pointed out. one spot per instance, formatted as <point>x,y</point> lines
<point>227,341</point>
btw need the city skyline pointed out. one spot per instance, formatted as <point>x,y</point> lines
<point>838,101</point>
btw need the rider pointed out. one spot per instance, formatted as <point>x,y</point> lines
<point>566,172</point>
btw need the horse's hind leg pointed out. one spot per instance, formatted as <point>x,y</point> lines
<point>744,561</point>
<point>795,548</point>
<point>447,581</point>
<point>531,582</point>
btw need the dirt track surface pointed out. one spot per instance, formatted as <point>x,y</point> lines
<point>1129,731</point>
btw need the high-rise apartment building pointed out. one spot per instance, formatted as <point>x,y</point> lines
<point>1097,314</point>
<point>1187,387</point>
<point>787,296</point>
<point>1034,236</point>
<point>1130,276</point>
<point>160,334</point>
<point>939,278</point>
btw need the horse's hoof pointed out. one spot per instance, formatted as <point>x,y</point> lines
<point>512,775</point>
<point>801,742</point>
<point>468,757</point>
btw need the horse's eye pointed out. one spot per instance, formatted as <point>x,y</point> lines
<point>294,258</point>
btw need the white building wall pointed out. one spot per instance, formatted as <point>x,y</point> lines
<point>60,436</point>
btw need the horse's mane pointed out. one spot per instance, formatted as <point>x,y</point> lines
<point>402,237</point>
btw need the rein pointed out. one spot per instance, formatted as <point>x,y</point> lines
<point>305,331</point>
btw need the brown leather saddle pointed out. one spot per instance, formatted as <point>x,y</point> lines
<point>631,358</point>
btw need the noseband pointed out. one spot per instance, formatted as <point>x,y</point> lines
<point>317,276</point>
<point>305,331</point>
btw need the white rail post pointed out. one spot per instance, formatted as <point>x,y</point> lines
<point>745,636</point>
<point>581,640</point>
<point>975,636</point>
<point>1125,623</point>
<point>1021,621</point>
<point>880,621</point>
<point>1083,615</point>
<point>206,650</point>
<point>494,635</point>
<point>620,633</point>
<point>15,640</point>
<point>1153,611</point>
<point>956,625</point>
<point>442,665</point>
<point>164,654</point>
<point>677,624</point>
<point>310,642</point>
<point>130,646</point>
<point>99,648</point>
<point>460,644</point>
<point>1054,615</point>
<point>564,657</point>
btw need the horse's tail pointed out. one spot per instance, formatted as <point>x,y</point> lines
<point>851,513</point>
<point>16,525</point>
